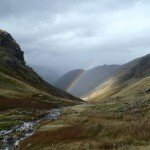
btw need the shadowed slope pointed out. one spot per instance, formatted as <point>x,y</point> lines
<point>20,81</point>
<point>68,79</point>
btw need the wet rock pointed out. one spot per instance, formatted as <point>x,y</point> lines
<point>13,136</point>
<point>147,90</point>
<point>10,140</point>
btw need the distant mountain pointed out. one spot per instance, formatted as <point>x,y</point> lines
<point>17,80</point>
<point>88,80</point>
<point>127,75</point>
<point>48,73</point>
<point>68,79</point>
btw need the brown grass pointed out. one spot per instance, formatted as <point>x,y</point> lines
<point>90,129</point>
<point>8,103</point>
<point>136,130</point>
<point>48,138</point>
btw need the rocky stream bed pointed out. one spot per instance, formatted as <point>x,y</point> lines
<point>11,138</point>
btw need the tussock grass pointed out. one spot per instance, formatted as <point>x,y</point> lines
<point>47,138</point>
<point>136,130</point>
<point>107,130</point>
<point>8,124</point>
<point>121,122</point>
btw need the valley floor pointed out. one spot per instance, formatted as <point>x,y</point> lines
<point>120,122</point>
<point>20,117</point>
<point>94,126</point>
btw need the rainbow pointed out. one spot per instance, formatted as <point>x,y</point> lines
<point>73,83</point>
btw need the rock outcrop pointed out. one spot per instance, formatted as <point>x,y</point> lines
<point>11,52</point>
<point>13,64</point>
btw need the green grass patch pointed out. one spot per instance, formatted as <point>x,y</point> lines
<point>8,124</point>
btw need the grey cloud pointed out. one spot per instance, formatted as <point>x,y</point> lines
<point>73,33</point>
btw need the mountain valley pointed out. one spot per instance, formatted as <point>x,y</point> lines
<point>37,115</point>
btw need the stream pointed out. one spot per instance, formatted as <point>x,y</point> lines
<point>24,130</point>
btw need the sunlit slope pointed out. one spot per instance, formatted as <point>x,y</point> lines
<point>79,82</point>
<point>135,98</point>
<point>129,74</point>
<point>138,90</point>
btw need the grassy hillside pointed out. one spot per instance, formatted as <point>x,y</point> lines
<point>17,80</point>
<point>121,122</point>
<point>127,75</point>
<point>117,118</point>
<point>24,95</point>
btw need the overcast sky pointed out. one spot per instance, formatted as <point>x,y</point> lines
<point>70,34</point>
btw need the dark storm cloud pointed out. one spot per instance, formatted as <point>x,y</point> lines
<point>60,32</point>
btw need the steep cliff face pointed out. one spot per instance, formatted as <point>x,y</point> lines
<point>10,51</point>
<point>12,64</point>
